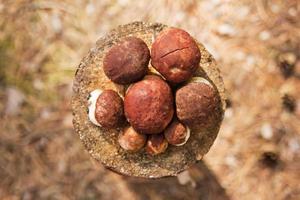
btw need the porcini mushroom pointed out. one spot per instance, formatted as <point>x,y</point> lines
<point>105,108</point>
<point>130,140</point>
<point>127,61</point>
<point>156,144</point>
<point>196,103</point>
<point>148,105</point>
<point>175,54</point>
<point>177,133</point>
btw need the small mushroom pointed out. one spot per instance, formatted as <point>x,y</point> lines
<point>148,105</point>
<point>127,61</point>
<point>156,144</point>
<point>177,134</point>
<point>130,140</point>
<point>197,103</point>
<point>175,54</point>
<point>105,108</point>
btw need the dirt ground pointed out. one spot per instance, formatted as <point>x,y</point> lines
<point>257,152</point>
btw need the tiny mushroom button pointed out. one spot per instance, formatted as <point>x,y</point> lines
<point>156,144</point>
<point>131,140</point>
<point>177,134</point>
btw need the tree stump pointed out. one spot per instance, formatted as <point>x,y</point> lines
<point>102,143</point>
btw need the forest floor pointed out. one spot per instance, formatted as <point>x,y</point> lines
<point>257,152</point>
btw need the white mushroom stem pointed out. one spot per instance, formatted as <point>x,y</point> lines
<point>188,134</point>
<point>92,101</point>
<point>128,88</point>
<point>200,80</point>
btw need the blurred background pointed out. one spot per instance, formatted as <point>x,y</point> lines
<point>257,46</point>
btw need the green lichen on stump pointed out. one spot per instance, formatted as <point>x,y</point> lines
<point>102,144</point>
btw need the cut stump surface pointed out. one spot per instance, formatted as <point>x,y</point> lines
<point>102,143</point>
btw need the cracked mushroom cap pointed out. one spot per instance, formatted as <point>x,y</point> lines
<point>175,55</point>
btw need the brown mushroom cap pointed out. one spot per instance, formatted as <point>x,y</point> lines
<point>156,144</point>
<point>175,55</point>
<point>109,109</point>
<point>131,140</point>
<point>196,104</point>
<point>148,105</point>
<point>176,133</point>
<point>127,61</point>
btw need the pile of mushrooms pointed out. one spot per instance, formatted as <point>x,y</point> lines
<point>161,108</point>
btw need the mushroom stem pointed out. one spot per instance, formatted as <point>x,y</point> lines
<point>92,105</point>
<point>200,80</point>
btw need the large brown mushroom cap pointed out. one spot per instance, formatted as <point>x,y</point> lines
<point>127,61</point>
<point>175,55</point>
<point>102,144</point>
<point>196,104</point>
<point>148,105</point>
